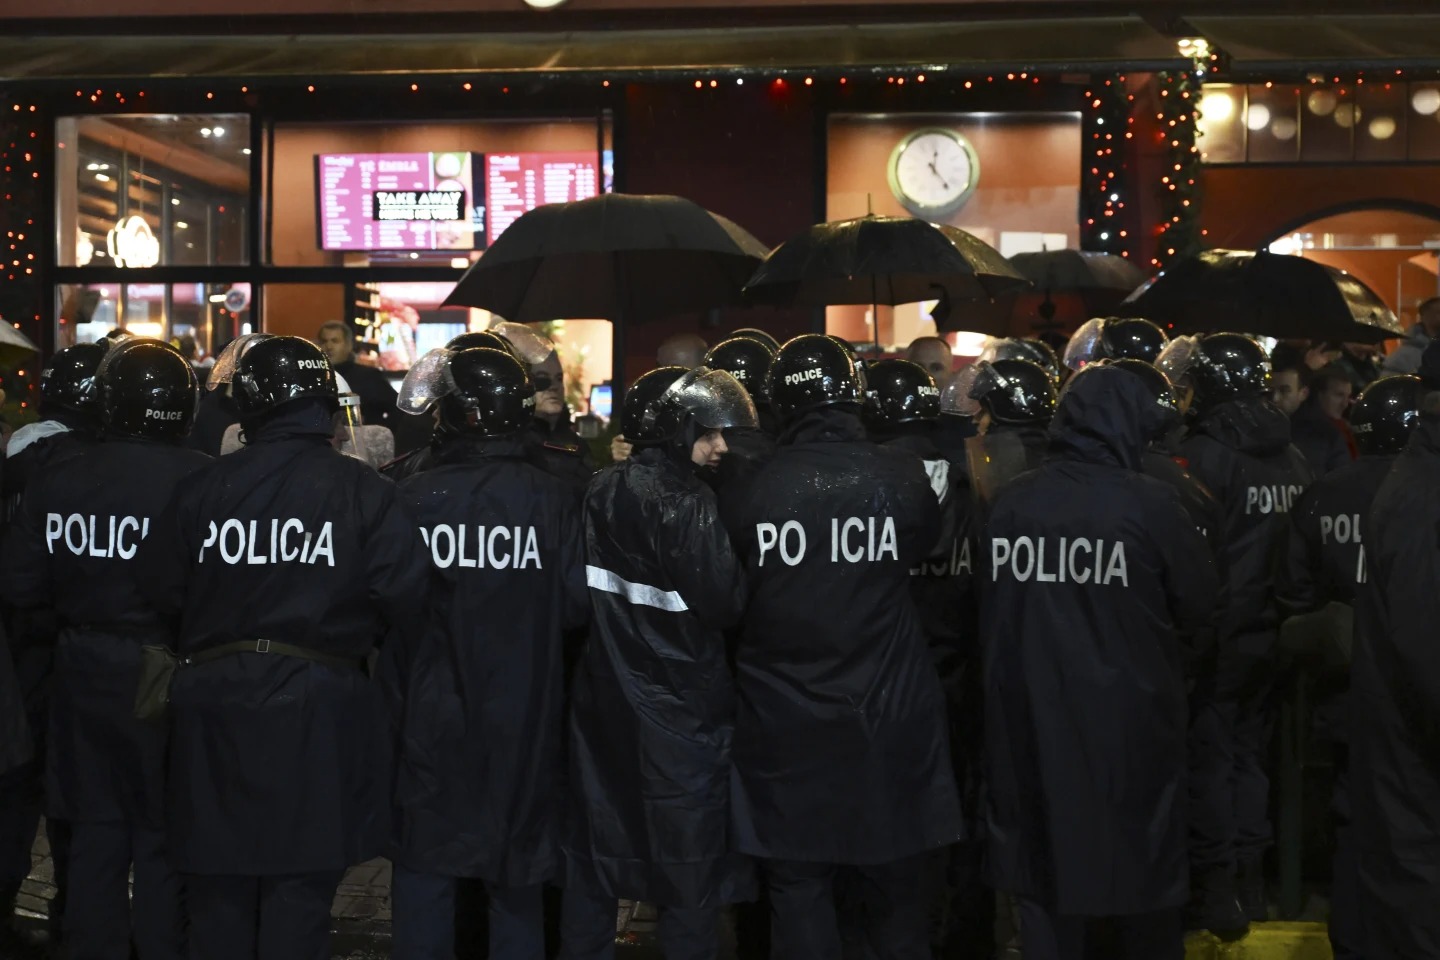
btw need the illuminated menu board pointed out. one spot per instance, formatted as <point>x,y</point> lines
<point>440,201</point>
<point>518,182</point>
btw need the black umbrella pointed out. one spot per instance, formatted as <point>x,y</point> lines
<point>1071,286</point>
<point>875,260</point>
<point>1264,293</point>
<point>613,257</point>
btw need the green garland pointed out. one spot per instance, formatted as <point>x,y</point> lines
<point>1179,234</point>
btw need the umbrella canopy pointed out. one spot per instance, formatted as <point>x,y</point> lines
<point>1271,294</point>
<point>1079,271</point>
<point>613,257</point>
<point>15,347</point>
<point>875,260</point>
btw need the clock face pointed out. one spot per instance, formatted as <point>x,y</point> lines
<point>933,171</point>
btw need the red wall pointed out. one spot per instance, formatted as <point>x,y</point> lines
<point>1244,207</point>
<point>749,156</point>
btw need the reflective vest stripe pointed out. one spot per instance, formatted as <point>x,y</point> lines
<point>638,593</point>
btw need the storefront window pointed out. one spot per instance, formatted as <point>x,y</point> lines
<point>421,194</point>
<point>1320,123</point>
<point>152,191</point>
<point>209,314</point>
<point>1016,185</point>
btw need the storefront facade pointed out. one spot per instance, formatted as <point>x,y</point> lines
<point>167,172</point>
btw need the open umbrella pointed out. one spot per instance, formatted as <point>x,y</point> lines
<point>1271,294</point>
<point>616,257</point>
<point>1071,286</point>
<point>889,260</point>
<point>15,347</point>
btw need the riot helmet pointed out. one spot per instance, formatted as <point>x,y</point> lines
<point>1029,348</point>
<point>1385,413</point>
<point>1219,367</point>
<point>642,395</point>
<point>697,402</point>
<point>812,371</point>
<point>147,389</point>
<point>1115,338</point>
<point>480,338</point>
<point>1160,387</point>
<point>747,360</point>
<point>490,395</point>
<point>899,391</point>
<point>1016,392</point>
<point>274,371</point>
<point>759,336</point>
<point>68,381</point>
<point>223,373</point>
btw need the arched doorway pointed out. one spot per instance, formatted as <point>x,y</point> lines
<point>1393,249</point>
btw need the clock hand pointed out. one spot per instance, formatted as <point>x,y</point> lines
<point>943,182</point>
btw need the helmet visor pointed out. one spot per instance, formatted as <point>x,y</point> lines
<point>1178,357</point>
<point>428,380</point>
<point>955,397</point>
<point>1084,347</point>
<point>529,346</point>
<point>229,359</point>
<point>715,399</point>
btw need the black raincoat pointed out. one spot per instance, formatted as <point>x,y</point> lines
<point>84,526</point>
<point>1241,452</point>
<point>1096,575</point>
<point>478,790</point>
<point>560,452</point>
<point>653,702</point>
<point>944,592</point>
<point>276,762</point>
<point>841,753</point>
<point>1395,686</point>
<point>15,743</point>
<point>1325,554</point>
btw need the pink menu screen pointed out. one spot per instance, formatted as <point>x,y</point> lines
<point>440,201</point>
<point>519,182</point>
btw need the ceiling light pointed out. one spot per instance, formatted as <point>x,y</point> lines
<point>246,151</point>
<point>174,201</point>
<point>1218,106</point>
<point>181,225</point>
<point>102,178</point>
<point>205,131</point>
<point>218,131</point>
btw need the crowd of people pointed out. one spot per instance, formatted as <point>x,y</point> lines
<point>837,649</point>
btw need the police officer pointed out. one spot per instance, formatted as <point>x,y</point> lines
<point>1114,338</point>
<point>748,360</point>
<point>1325,563</point>
<point>554,445</point>
<point>69,423</point>
<point>1027,348</point>
<point>105,769</point>
<point>1239,447</point>
<point>902,411</point>
<point>841,756</point>
<point>755,333</point>
<point>418,432</point>
<point>479,777</point>
<point>1096,574</point>
<point>957,420</point>
<point>281,567</point>
<point>1013,401</point>
<point>1395,685</point>
<point>653,701</point>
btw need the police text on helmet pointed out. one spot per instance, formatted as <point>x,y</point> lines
<point>495,548</point>
<point>801,376</point>
<point>96,537</point>
<point>278,541</point>
<point>852,540</point>
<point>1060,560</point>
<point>164,414</point>
<point>311,364</point>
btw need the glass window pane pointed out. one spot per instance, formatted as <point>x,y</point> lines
<point>1327,123</point>
<point>152,190</point>
<point>1423,127</point>
<point>1380,127</point>
<point>1222,123</point>
<point>207,315</point>
<point>1272,125</point>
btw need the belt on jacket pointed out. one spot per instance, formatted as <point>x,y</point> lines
<point>270,647</point>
